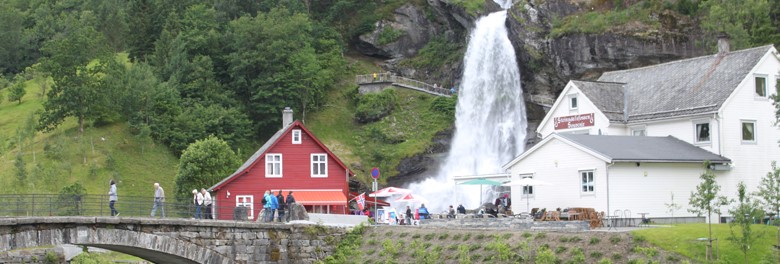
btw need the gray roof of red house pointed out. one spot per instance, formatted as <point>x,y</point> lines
<point>644,149</point>
<point>270,143</point>
<point>684,87</point>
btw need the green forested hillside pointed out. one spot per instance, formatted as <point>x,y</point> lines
<point>196,68</point>
<point>62,157</point>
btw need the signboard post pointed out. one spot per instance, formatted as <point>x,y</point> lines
<point>375,175</point>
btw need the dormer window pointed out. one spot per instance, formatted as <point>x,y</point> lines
<point>573,102</point>
<point>296,136</point>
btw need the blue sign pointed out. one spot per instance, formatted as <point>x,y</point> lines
<point>375,173</point>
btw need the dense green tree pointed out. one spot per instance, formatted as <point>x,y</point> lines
<point>747,22</point>
<point>17,91</point>
<point>203,164</point>
<point>11,44</point>
<point>706,200</point>
<point>78,89</point>
<point>746,214</point>
<point>199,121</point>
<point>274,64</point>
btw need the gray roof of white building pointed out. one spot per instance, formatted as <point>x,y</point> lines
<point>607,96</point>
<point>644,149</point>
<point>685,87</point>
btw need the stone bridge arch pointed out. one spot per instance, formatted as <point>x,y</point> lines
<point>173,240</point>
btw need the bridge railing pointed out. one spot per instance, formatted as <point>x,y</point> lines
<point>403,81</point>
<point>27,205</point>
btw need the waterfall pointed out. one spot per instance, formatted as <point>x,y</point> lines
<point>490,121</point>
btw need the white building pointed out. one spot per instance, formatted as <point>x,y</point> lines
<point>718,103</point>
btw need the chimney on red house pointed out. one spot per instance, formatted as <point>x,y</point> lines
<point>287,117</point>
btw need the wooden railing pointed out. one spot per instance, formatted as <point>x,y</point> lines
<point>403,82</point>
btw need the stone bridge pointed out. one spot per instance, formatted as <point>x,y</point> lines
<point>177,240</point>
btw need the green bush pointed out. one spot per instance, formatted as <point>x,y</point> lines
<point>596,254</point>
<point>540,236</point>
<point>594,240</point>
<point>389,35</point>
<point>615,239</point>
<point>374,106</point>
<point>545,256</point>
<point>443,236</point>
<point>445,105</point>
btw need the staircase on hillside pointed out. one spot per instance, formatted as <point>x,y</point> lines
<point>388,79</point>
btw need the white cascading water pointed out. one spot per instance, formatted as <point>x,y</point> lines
<point>490,125</point>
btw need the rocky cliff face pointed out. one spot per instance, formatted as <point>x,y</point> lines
<point>546,63</point>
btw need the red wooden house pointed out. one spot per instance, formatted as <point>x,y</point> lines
<point>293,159</point>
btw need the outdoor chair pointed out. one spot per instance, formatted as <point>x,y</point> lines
<point>618,216</point>
<point>629,218</point>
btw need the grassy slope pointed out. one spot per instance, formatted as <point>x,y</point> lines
<point>682,239</point>
<point>136,169</point>
<point>356,144</point>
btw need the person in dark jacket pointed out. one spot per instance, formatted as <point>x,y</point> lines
<point>282,206</point>
<point>461,209</point>
<point>289,203</point>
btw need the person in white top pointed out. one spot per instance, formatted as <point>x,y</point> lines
<point>197,199</point>
<point>207,202</point>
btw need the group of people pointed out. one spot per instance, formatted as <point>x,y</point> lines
<point>202,200</point>
<point>276,205</point>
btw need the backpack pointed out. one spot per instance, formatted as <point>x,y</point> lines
<point>264,201</point>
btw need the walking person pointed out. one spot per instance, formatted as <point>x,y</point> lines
<point>408,215</point>
<point>280,199</point>
<point>159,200</point>
<point>290,203</point>
<point>207,202</point>
<point>267,207</point>
<point>197,198</point>
<point>112,196</point>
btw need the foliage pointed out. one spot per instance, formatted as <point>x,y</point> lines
<point>17,91</point>
<point>389,35</point>
<point>436,53</point>
<point>545,256</point>
<point>348,250</point>
<point>706,199</point>
<point>501,251</point>
<point>597,21</point>
<point>445,105</point>
<point>745,215</point>
<point>747,22</point>
<point>203,164</point>
<point>70,199</point>
<point>373,106</point>
<point>471,6</point>
<point>78,90</point>
<point>672,206</point>
<point>463,254</point>
<point>769,189</point>
<point>681,239</point>
<point>89,258</point>
<point>21,170</point>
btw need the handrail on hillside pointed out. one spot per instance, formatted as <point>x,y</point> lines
<point>400,81</point>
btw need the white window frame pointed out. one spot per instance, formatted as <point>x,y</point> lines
<point>296,136</point>
<point>241,200</point>
<point>574,102</point>
<point>527,191</point>
<point>324,161</point>
<point>636,129</point>
<point>741,131</point>
<point>696,132</point>
<point>269,162</point>
<point>591,183</point>
<point>755,84</point>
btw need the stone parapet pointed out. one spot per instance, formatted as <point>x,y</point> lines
<point>177,240</point>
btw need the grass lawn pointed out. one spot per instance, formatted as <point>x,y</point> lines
<point>682,239</point>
